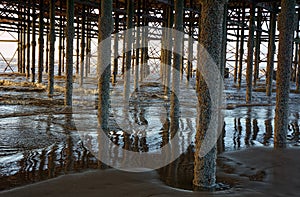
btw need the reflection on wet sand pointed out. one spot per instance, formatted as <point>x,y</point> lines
<point>44,146</point>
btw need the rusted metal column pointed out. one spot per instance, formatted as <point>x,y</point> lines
<point>190,48</point>
<point>20,32</point>
<point>137,54</point>
<point>271,54</point>
<point>33,43</point>
<point>124,49</point>
<point>116,46</point>
<point>77,47</point>
<point>212,13</point>
<point>163,44</point>
<point>178,42</point>
<point>298,68</point>
<point>88,45</point>
<point>298,72</point>
<point>286,26</point>
<point>240,73</point>
<point>257,46</point>
<point>63,51</point>
<point>145,69</point>
<point>69,52</point>
<point>28,43</point>
<point>169,42</point>
<point>19,49</point>
<point>129,41</point>
<point>224,41</point>
<point>52,49</point>
<point>60,39</point>
<point>24,43</point>
<point>47,47</point>
<point>82,46</point>
<point>249,75</point>
<point>237,50</point>
<point>104,62</point>
<point>41,42</point>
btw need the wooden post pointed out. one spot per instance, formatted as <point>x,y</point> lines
<point>271,54</point>
<point>69,52</point>
<point>104,58</point>
<point>249,75</point>
<point>286,26</point>
<point>52,49</point>
<point>41,42</point>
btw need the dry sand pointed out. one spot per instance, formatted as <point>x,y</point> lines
<point>253,172</point>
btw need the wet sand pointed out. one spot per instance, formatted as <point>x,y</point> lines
<point>251,172</point>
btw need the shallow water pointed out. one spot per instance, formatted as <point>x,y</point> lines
<point>39,142</point>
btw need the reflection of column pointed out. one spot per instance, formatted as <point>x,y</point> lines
<point>286,25</point>
<point>237,133</point>
<point>221,142</point>
<point>69,150</point>
<point>268,126</point>
<point>211,21</point>
<point>255,129</point>
<point>269,131</point>
<point>248,131</point>
<point>51,162</point>
<point>42,159</point>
